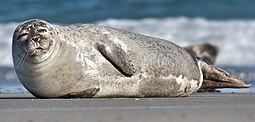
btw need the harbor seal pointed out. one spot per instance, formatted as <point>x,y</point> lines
<point>86,60</point>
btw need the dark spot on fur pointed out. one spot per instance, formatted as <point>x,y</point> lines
<point>186,89</point>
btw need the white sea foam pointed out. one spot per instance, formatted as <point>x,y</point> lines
<point>6,31</point>
<point>236,38</point>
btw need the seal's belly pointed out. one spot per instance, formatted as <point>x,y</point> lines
<point>146,86</point>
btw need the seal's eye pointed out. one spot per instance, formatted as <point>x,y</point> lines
<point>42,30</point>
<point>24,34</point>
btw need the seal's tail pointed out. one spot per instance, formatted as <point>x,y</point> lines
<point>214,77</point>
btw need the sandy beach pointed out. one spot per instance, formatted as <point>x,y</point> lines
<point>208,107</point>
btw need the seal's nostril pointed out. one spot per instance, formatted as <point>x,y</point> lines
<point>35,39</point>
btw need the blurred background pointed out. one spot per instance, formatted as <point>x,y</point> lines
<point>228,24</point>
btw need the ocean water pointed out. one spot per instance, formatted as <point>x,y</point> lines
<point>228,24</point>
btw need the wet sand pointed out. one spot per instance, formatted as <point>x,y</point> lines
<point>207,107</point>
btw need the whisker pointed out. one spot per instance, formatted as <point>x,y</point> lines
<point>20,60</point>
<point>24,59</point>
<point>18,53</point>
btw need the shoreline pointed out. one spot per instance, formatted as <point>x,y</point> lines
<point>209,107</point>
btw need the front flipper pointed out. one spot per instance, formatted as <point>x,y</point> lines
<point>214,77</point>
<point>117,57</point>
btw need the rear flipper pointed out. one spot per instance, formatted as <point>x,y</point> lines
<point>214,77</point>
<point>205,51</point>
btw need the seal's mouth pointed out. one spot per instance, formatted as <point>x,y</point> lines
<point>39,48</point>
<point>37,52</point>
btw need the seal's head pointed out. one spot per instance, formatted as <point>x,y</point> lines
<point>33,41</point>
